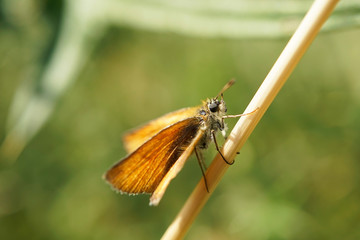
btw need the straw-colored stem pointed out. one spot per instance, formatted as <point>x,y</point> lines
<point>294,50</point>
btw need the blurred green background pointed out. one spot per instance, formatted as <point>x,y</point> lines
<point>297,177</point>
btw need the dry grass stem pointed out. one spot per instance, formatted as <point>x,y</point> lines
<point>294,50</point>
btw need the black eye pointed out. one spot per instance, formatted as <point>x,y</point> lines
<point>214,107</point>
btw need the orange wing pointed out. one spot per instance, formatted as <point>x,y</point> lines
<point>151,167</point>
<point>135,138</point>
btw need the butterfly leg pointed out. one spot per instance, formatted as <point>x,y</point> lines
<point>217,148</point>
<point>202,167</point>
<point>240,115</point>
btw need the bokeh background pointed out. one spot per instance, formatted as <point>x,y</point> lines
<point>75,75</point>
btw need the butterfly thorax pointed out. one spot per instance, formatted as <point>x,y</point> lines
<point>212,113</point>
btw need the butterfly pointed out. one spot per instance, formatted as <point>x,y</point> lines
<point>158,150</point>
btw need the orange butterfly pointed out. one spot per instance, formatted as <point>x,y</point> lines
<point>159,149</point>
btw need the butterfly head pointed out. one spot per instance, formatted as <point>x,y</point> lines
<point>216,106</point>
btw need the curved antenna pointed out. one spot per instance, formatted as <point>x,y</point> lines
<point>227,85</point>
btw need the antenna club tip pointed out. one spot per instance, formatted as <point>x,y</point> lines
<point>227,85</point>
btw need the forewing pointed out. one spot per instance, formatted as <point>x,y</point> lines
<point>144,169</point>
<point>135,138</point>
<point>174,170</point>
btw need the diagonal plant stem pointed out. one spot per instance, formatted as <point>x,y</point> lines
<point>294,50</point>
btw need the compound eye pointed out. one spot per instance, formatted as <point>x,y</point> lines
<point>214,107</point>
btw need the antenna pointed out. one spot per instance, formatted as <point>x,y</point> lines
<point>227,85</point>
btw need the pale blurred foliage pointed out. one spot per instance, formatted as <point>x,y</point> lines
<point>296,178</point>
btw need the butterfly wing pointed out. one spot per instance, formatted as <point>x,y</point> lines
<point>135,138</point>
<point>150,168</point>
<point>174,170</point>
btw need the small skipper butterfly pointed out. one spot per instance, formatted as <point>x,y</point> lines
<point>159,149</point>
